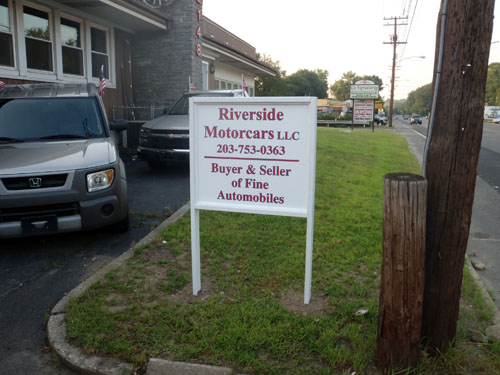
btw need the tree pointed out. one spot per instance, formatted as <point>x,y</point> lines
<point>271,86</point>
<point>308,83</point>
<point>341,88</point>
<point>493,84</point>
<point>419,100</point>
<point>375,79</point>
<point>302,83</point>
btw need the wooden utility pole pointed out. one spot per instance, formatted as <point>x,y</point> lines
<point>394,42</point>
<point>403,265</point>
<point>453,153</point>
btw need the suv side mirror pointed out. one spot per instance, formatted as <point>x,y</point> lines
<point>118,125</point>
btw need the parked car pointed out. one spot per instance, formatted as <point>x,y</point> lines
<point>166,138</point>
<point>60,170</point>
<point>415,119</point>
<point>380,119</point>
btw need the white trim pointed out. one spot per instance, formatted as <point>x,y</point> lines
<point>12,33</point>
<point>50,15</point>
<point>110,50</point>
<point>61,44</point>
<point>21,44</point>
<point>21,71</point>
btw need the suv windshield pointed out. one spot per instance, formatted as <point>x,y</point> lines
<point>181,107</point>
<point>31,119</point>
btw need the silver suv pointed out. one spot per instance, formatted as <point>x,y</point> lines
<point>166,138</point>
<point>60,170</point>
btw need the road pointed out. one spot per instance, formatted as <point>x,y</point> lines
<point>36,273</point>
<point>484,236</point>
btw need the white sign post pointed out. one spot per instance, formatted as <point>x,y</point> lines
<point>253,155</point>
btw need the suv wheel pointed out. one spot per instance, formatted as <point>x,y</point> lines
<point>122,226</point>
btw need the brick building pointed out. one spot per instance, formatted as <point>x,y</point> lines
<point>149,48</point>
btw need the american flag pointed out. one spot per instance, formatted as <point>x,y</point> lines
<point>2,84</point>
<point>244,85</point>
<point>191,86</point>
<point>102,82</point>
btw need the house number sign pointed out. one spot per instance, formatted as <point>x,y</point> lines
<point>198,27</point>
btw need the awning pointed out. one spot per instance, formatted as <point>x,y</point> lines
<point>132,14</point>
<point>234,58</point>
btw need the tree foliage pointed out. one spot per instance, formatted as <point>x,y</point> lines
<point>493,84</point>
<point>271,86</point>
<point>308,83</point>
<point>419,101</point>
<point>341,88</point>
<point>301,83</point>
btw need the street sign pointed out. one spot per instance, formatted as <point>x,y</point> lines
<point>253,155</point>
<point>362,111</point>
<point>361,91</point>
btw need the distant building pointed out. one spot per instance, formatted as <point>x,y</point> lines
<point>149,49</point>
<point>334,106</point>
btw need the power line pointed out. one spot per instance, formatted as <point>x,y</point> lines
<point>411,24</point>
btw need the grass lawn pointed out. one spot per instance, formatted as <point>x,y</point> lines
<point>250,314</point>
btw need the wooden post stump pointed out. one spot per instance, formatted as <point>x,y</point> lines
<point>403,270</point>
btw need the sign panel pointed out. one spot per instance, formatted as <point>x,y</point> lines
<point>363,111</point>
<point>252,155</point>
<point>364,91</point>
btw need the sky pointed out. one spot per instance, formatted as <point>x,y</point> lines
<point>341,36</point>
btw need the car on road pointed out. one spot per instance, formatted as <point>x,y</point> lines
<point>166,138</point>
<point>60,170</point>
<point>415,119</point>
<point>380,119</point>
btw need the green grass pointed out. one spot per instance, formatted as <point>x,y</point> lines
<point>250,315</point>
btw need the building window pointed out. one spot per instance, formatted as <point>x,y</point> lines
<point>71,45</point>
<point>99,47</point>
<point>38,41</point>
<point>6,47</point>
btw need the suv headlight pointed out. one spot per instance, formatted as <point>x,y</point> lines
<point>145,137</point>
<point>100,180</point>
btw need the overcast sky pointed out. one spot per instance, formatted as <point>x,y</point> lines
<point>340,35</point>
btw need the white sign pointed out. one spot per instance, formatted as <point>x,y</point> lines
<point>360,91</point>
<point>254,155</point>
<point>363,111</point>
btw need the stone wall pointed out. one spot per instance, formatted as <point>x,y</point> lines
<point>163,61</point>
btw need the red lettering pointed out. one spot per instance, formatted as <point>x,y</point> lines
<point>223,113</point>
<point>211,134</point>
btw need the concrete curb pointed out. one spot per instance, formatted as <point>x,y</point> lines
<point>78,361</point>
<point>486,296</point>
<point>56,327</point>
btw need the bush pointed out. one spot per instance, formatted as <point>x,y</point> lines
<point>327,116</point>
